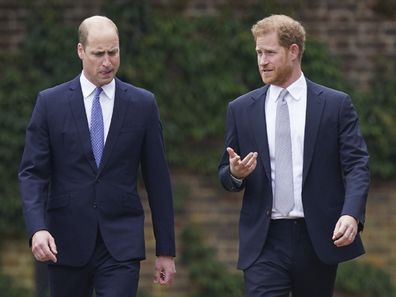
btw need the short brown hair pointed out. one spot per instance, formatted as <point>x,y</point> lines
<point>289,31</point>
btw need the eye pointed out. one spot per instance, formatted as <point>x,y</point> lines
<point>113,53</point>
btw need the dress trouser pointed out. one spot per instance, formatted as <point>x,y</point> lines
<point>105,275</point>
<point>288,264</point>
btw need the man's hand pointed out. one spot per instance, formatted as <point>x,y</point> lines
<point>241,168</point>
<point>345,231</point>
<point>164,270</point>
<point>44,247</point>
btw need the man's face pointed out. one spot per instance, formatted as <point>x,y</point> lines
<point>273,60</point>
<point>101,55</point>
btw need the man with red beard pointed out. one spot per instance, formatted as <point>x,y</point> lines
<point>86,140</point>
<point>296,150</point>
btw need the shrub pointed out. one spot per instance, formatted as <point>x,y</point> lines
<point>363,279</point>
<point>9,289</point>
<point>210,278</point>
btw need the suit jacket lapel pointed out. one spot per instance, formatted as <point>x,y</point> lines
<point>315,105</point>
<point>258,126</point>
<point>76,101</point>
<point>119,111</point>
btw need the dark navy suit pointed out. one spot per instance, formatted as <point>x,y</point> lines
<point>65,193</point>
<point>335,171</point>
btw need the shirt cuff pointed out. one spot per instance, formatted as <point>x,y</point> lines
<point>237,181</point>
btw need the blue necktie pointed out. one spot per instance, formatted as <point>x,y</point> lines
<point>284,191</point>
<point>97,128</point>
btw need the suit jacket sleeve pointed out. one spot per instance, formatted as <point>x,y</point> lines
<point>231,140</point>
<point>34,170</point>
<point>157,181</point>
<point>355,163</point>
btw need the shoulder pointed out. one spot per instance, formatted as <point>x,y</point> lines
<point>247,97</point>
<point>134,91</point>
<point>61,88</point>
<point>326,92</point>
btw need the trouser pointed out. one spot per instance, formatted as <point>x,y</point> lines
<point>289,264</point>
<point>105,275</point>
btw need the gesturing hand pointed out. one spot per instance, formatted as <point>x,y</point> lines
<point>241,168</point>
<point>44,247</point>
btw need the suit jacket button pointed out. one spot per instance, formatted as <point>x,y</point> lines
<point>268,212</point>
<point>95,205</point>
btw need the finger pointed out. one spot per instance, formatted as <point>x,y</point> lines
<point>233,156</point>
<point>231,152</point>
<point>46,248</point>
<point>168,276</point>
<point>339,230</point>
<point>157,276</point>
<point>251,160</point>
<point>346,239</point>
<point>246,160</point>
<point>236,161</point>
<point>52,249</point>
<point>343,241</point>
<point>52,245</point>
<point>164,278</point>
<point>47,254</point>
<point>38,252</point>
<point>51,256</point>
<point>40,255</point>
<point>253,166</point>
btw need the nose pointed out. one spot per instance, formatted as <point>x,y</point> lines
<point>106,60</point>
<point>262,60</point>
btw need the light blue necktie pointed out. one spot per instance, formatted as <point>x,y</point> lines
<point>97,127</point>
<point>284,190</point>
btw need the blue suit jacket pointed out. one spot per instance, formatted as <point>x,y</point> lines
<point>65,193</point>
<point>335,171</point>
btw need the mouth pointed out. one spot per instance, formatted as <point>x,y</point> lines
<point>266,71</point>
<point>106,72</point>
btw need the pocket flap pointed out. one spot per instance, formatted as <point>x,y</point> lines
<point>58,201</point>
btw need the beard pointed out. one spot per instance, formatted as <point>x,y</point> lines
<point>279,76</point>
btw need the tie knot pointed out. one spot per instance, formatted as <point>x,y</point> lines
<point>282,95</point>
<point>98,90</point>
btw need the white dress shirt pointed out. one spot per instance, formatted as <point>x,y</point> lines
<point>106,101</point>
<point>297,103</point>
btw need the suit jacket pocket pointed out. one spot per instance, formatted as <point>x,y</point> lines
<point>132,204</point>
<point>59,201</point>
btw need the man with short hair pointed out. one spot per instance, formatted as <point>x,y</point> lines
<point>296,150</point>
<point>84,145</point>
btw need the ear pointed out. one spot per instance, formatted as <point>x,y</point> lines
<point>294,51</point>
<point>80,51</point>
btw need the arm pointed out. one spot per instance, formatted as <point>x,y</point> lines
<point>355,163</point>
<point>34,176</point>
<point>233,169</point>
<point>158,185</point>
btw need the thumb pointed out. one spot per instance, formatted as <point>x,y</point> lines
<point>52,245</point>
<point>231,152</point>
<point>336,230</point>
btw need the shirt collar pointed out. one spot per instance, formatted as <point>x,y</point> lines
<point>296,89</point>
<point>88,88</point>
